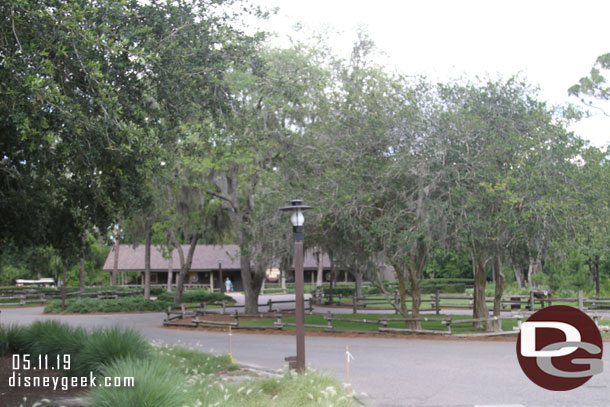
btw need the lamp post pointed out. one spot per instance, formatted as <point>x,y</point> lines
<point>297,220</point>
<point>222,283</point>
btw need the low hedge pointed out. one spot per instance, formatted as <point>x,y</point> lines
<point>87,305</point>
<point>427,286</point>
<point>443,288</point>
<point>132,304</point>
<point>194,296</point>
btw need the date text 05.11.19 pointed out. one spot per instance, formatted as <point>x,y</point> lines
<point>39,362</point>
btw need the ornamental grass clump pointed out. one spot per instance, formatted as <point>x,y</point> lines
<point>155,384</point>
<point>53,338</point>
<point>105,346</point>
<point>12,339</point>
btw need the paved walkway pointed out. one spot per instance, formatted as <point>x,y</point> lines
<point>393,372</point>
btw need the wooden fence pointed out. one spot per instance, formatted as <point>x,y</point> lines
<point>23,297</point>
<point>174,313</point>
<point>437,301</point>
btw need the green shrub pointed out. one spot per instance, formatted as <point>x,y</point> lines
<point>104,346</point>
<point>157,290</point>
<point>194,296</point>
<point>126,304</point>
<point>53,338</point>
<point>12,339</point>
<point>156,384</point>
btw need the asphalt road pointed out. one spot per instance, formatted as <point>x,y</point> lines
<point>392,372</point>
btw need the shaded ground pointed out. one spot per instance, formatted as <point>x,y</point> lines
<point>14,396</point>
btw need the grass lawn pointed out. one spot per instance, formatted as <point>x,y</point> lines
<point>434,323</point>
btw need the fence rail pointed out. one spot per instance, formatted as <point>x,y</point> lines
<point>437,301</point>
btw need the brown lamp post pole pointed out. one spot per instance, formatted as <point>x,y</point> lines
<point>222,283</point>
<point>297,220</point>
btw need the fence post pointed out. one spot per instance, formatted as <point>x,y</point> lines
<point>532,301</point>
<point>279,320</point>
<point>437,303</point>
<point>581,301</point>
<point>223,307</point>
<point>354,306</point>
<point>270,304</point>
<point>311,305</point>
<point>329,321</point>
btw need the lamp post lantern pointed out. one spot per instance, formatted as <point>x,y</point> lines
<point>297,219</point>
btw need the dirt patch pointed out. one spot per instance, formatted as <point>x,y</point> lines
<point>11,396</point>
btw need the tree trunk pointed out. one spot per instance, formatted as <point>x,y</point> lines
<point>402,291</point>
<point>147,262</point>
<point>252,282</point>
<point>251,297</point>
<point>320,275</point>
<point>63,286</point>
<point>415,296</point>
<point>185,267</point>
<point>115,264</point>
<point>535,266</point>
<point>83,247</point>
<point>496,326</point>
<point>333,280</point>
<point>357,273</point>
<point>519,276</point>
<point>480,309</point>
<point>595,272</point>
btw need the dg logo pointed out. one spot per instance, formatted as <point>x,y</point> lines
<point>560,348</point>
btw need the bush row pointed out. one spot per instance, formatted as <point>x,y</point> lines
<point>87,305</point>
<point>71,289</point>
<point>131,304</point>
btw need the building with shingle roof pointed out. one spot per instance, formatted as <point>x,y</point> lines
<point>211,264</point>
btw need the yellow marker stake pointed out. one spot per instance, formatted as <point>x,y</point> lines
<point>230,355</point>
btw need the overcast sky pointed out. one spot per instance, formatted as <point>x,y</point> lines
<point>549,43</point>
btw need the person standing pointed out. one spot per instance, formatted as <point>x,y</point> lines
<point>228,285</point>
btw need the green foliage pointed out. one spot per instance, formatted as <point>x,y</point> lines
<point>194,296</point>
<point>53,338</point>
<point>95,256</point>
<point>156,384</point>
<point>127,304</point>
<point>88,351</point>
<point>131,304</point>
<point>183,358</point>
<point>449,264</point>
<point>441,288</point>
<point>105,346</point>
<point>12,339</point>
<point>156,291</point>
<point>566,275</point>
